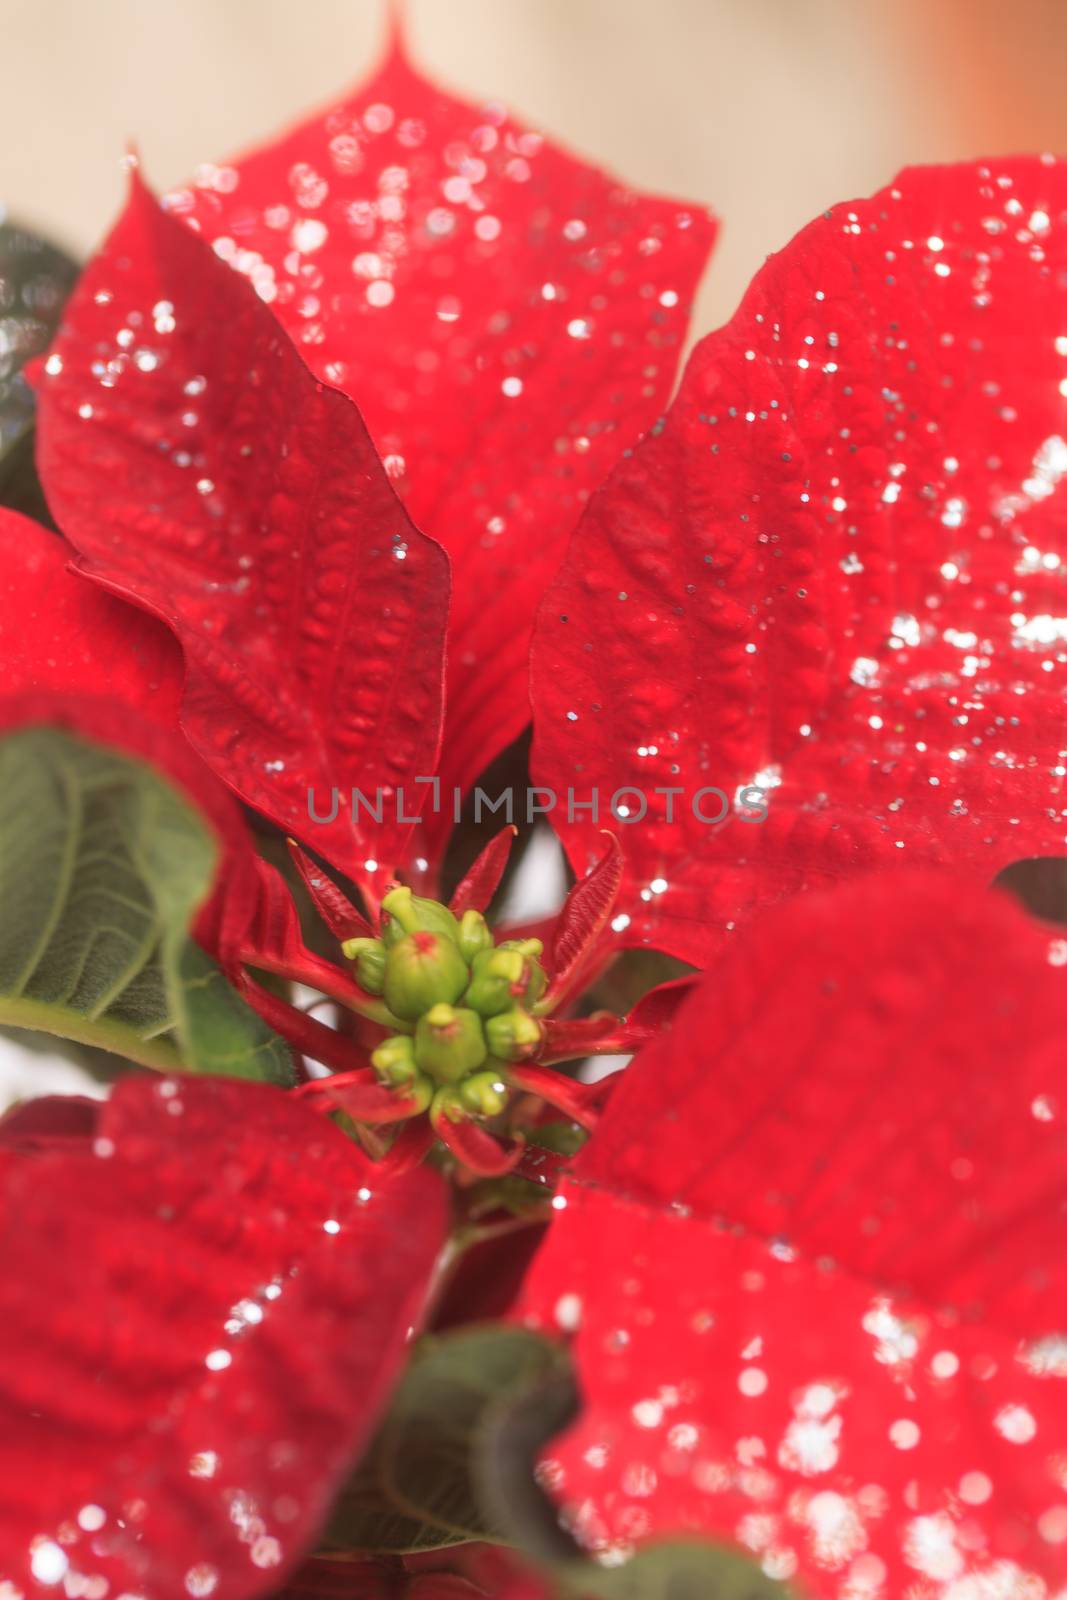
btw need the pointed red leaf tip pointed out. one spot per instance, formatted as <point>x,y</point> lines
<point>476,1148</point>
<point>201,1319</point>
<point>475,891</point>
<point>253,922</point>
<point>576,1100</point>
<point>507,317</point>
<point>332,904</point>
<point>363,1096</point>
<point>201,471</point>
<point>605,1034</point>
<point>835,573</point>
<point>814,1256</point>
<point>583,917</point>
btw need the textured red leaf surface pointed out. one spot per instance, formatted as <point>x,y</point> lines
<point>583,916</point>
<point>507,317</point>
<point>835,572</point>
<point>814,1253</point>
<point>476,888</point>
<point>331,903</point>
<point>200,1321</point>
<point>202,471</point>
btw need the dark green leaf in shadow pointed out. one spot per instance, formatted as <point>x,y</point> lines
<point>366,1520</point>
<point>417,1487</point>
<point>674,1570</point>
<point>35,280</point>
<point>102,867</point>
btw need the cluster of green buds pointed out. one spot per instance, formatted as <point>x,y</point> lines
<point>463,1005</point>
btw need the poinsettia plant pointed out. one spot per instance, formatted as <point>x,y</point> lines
<point>361,1280</point>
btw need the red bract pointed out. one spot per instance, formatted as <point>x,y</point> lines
<point>814,1254</point>
<point>812,1246</point>
<point>77,658</point>
<point>225,1292</point>
<point>835,571</point>
<point>202,1314</point>
<point>202,471</point>
<point>507,317</point>
<point>59,634</point>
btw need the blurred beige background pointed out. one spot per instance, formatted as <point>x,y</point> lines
<point>768,110</point>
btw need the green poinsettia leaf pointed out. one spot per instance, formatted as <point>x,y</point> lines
<point>102,867</point>
<point>417,1488</point>
<point>365,1519</point>
<point>674,1570</point>
<point>35,280</point>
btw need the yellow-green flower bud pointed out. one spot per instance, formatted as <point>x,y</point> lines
<point>421,969</point>
<point>422,1091</point>
<point>447,1104</point>
<point>474,935</point>
<point>514,1035</point>
<point>527,947</point>
<point>532,949</point>
<point>409,913</point>
<point>369,957</point>
<point>394,1060</point>
<point>449,1043</point>
<point>498,980</point>
<point>484,1094</point>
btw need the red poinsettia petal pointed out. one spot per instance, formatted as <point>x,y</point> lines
<point>476,1148</point>
<point>582,919</point>
<point>835,573</point>
<point>201,1318</point>
<point>815,1250</point>
<point>58,632</point>
<point>477,887</point>
<point>411,1145</point>
<point>507,317</point>
<point>362,1094</point>
<point>605,1034</point>
<point>577,1100</point>
<point>256,924</point>
<point>77,658</point>
<point>331,903</point>
<point>202,471</point>
<point>49,1122</point>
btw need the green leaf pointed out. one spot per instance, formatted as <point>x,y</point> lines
<point>676,1570</point>
<point>102,867</point>
<point>417,1487</point>
<point>365,1518</point>
<point>35,280</point>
